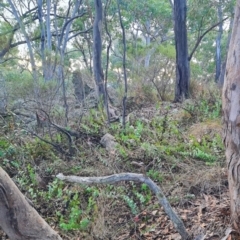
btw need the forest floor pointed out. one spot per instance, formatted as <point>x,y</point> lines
<point>177,146</point>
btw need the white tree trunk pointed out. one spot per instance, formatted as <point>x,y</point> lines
<point>231,118</point>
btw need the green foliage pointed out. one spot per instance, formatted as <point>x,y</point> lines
<point>205,109</point>
<point>27,180</point>
<point>202,15</point>
<point>46,87</point>
<point>6,35</point>
<point>140,197</point>
<point>40,150</point>
<point>8,154</point>
<point>146,192</point>
<point>73,220</point>
<point>131,133</point>
<point>122,151</point>
<point>19,84</point>
<point>150,150</point>
<point>131,204</point>
<point>32,175</point>
<point>206,150</point>
<point>156,143</point>
<point>77,218</point>
<point>199,154</point>
<point>167,50</point>
<point>93,122</point>
<point>155,175</point>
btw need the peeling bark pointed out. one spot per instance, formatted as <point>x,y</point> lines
<point>18,219</point>
<point>231,119</point>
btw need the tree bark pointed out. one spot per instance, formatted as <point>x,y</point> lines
<point>218,43</point>
<point>182,63</point>
<point>223,67</point>
<point>231,118</point>
<point>30,49</point>
<point>18,219</point>
<point>148,42</point>
<point>124,66</point>
<point>97,50</point>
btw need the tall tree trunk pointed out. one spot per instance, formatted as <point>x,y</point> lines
<point>124,65</point>
<point>182,63</point>
<point>18,219</point>
<point>30,49</point>
<point>218,43</point>
<point>148,42</point>
<point>223,67</point>
<point>42,39</point>
<point>62,49</point>
<point>231,118</point>
<point>97,50</point>
<point>49,68</point>
<point>3,96</point>
<point>48,26</point>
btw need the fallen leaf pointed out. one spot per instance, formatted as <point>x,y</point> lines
<point>154,212</point>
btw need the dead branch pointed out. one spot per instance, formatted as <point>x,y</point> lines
<point>62,130</point>
<point>136,178</point>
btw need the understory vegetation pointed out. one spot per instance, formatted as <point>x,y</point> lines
<point>178,146</point>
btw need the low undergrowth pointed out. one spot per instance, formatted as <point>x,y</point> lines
<point>160,146</point>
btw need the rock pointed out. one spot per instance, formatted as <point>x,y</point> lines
<point>81,88</point>
<point>108,141</point>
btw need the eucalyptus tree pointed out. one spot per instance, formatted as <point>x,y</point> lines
<point>9,11</point>
<point>230,10</point>
<point>207,36</point>
<point>45,39</point>
<point>30,49</point>
<point>97,50</point>
<point>151,20</point>
<point>231,119</point>
<point>83,44</point>
<point>182,63</point>
<point>147,24</point>
<point>218,41</point>
<point>49,26</point>
<point>202,20</point>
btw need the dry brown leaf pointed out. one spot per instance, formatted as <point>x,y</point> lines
<point>165,231</point>
<point>175,236</point>
<point>154,212</point>
<point>143,225</point>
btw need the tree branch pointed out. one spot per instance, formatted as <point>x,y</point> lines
<point>136,178</point>
<point>81,32</point>
<point>202,36</point>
